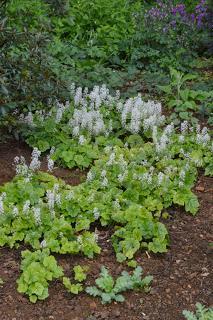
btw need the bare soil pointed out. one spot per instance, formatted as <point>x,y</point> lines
<point>182,276</point>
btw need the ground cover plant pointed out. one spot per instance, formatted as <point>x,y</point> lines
<point>202,313</point>
<point>139,144</point>
<point>185,101</point>
<point>109,290</point>
<point>129,186</point>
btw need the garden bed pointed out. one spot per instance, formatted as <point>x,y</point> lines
<point>181,276</point>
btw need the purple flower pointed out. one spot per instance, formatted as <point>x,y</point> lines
<point>175,15</point>
<point>180,8</point>
<point>193,17</point>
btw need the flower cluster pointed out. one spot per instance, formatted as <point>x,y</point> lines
<point>35,162</point>
<point>141,114</point>
<point>2,197</point>
<point>97,113</point>
<point>172,14</point>
<point>53,197</point>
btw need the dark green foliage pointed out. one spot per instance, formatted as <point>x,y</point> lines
<point>48,44</point>
<point>25,66</point>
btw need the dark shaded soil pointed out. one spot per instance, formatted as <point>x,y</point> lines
<point>182,276</point>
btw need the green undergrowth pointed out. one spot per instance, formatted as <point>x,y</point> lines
<point>138,169</point>
<point>128,189</point>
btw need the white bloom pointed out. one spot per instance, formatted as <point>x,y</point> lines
<point>52,150</point>
<point>29,119</point>
<point>181,138</point>
<point>169,129</point>
<point>79,240</point>
<point>96,235</point>
<point>16,160</point>
<point>15,211</point>
<point>56,187</point>
<point>111,159</point>
<point>35,163</point>
<point>160,178</point>
<point>58,199</point>
<point>1,206</point>
<point>103,173</point>
<point>72,89</point>
<point>116,204</point>
<point>59,114</point>
<point>147,177</point>
<point>90,176</point>
<point>70,195</point>
<point>26,206</point>
<point>75,131</point>
<point>78,96</point>
<point>197,162</point>
<point>104,182</point>
<point>162,144</point>
<point>2,197</point>
<point>50,164</point>
<point>184,127</point>
<point>43,244</point>
<point>203,137</point>
<point>107,149</point>
<point>37,215</point>
<point>50,199</point>
<point>122,176</point>
<point>182,174</point>
<point>117,95</point>
<point>67,105</point>
<point>81,140</point>
<point>96,213</point>
<point>119,106</point>
<point>198,128</point>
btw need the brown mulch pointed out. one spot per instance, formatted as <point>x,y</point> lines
<point>182,276</point>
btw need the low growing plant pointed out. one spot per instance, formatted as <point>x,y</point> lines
<point>38,268</point>
<point>142,169</point>
<point>183,100</point>
<point>201,313</point>
<point>74,288</point>
<point>109,289</point>
<point>80,273</point>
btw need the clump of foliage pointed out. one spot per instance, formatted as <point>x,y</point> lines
<point>80,273</point>
<point>87,123</point>
<point>80,276</point>
<point>201,313</point>
<point>109,289</point>
<point>183,100</point>
<point>169,34</point>
<point>25,65</point>
<point>74,288</point>
<point>38,268</point>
